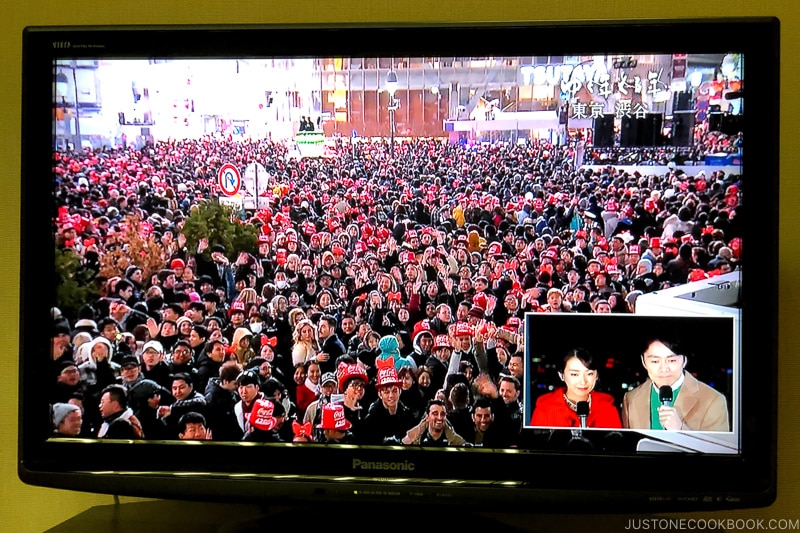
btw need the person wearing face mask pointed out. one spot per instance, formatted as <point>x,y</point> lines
<point>255,322</point>
<point>288,281</point>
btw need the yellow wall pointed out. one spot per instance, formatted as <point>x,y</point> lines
<point>24,508</point>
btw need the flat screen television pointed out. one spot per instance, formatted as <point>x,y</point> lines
<point>426,264</point>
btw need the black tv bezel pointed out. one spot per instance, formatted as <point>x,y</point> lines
<point>311,472</point>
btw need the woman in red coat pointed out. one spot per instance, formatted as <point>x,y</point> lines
<point>560,407</point>
<point>309,390</point>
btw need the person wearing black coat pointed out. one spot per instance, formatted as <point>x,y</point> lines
<point>221,398</point>
<point>387,419</point>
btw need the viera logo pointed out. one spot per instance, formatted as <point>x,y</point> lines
<point>405,466</point>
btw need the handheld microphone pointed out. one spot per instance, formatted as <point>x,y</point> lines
<point>665,395</point>
<point>582,408</point>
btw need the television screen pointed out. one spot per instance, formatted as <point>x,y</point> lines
<point>416,263</point>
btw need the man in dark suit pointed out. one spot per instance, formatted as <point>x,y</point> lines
<point>330,345</point>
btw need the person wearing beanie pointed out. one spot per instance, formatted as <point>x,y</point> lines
<point>67,420</point>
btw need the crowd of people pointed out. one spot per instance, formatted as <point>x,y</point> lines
<point>386,300</point>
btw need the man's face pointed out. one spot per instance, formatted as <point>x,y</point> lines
<point>248,393</point>
<point>110,332</point>
<point>462,312</point>
<point>195,314</point>
<point>70,376</point>
<point>390,396</point>
<point>464,284</point>
<point>217,353</point>
<point>324,329</point>
<point>663,366</point>
<point>195,339</point>
<point>181,355</point>
<point>170,314</point>
<point>463,343</point>
<point>180,389</point>
<point>355,389</point>
<point>436,418</point>
<point>108,406</point>
<point>508,391</point>
<point>443,314</point>
<point>426,342</point>
<point>482,416</point>
<point>194,431</point>
<point>515,367</point>
<point>151,357</point>
<point>71,425</point>
<point>130,373</point>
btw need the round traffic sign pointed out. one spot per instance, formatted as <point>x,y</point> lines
<point>229,179</point>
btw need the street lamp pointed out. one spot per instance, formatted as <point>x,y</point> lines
<point>391,87</point>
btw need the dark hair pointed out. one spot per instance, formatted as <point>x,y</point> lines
<point>209,297</point>
<point>182,342</point>
<point>118,394</point>
<point>229,371</point>
<point>122,285</point>
<point>175,308</point>
<point>431,403</point>
<point>272,385</point>
<point>460,394</point>
<point>482,403</point>
<point>582,355</point>
<point>103,322</point>
<point>183,376</point>
<point>511,379</point>
<point>248,377</point>
<point>677,346</point>
<point>330,319</point>
<point>202,331</point>
<point>209,347</point>
<point>192,417</point>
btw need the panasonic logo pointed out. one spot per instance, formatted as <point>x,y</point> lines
<point>405,466</point>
